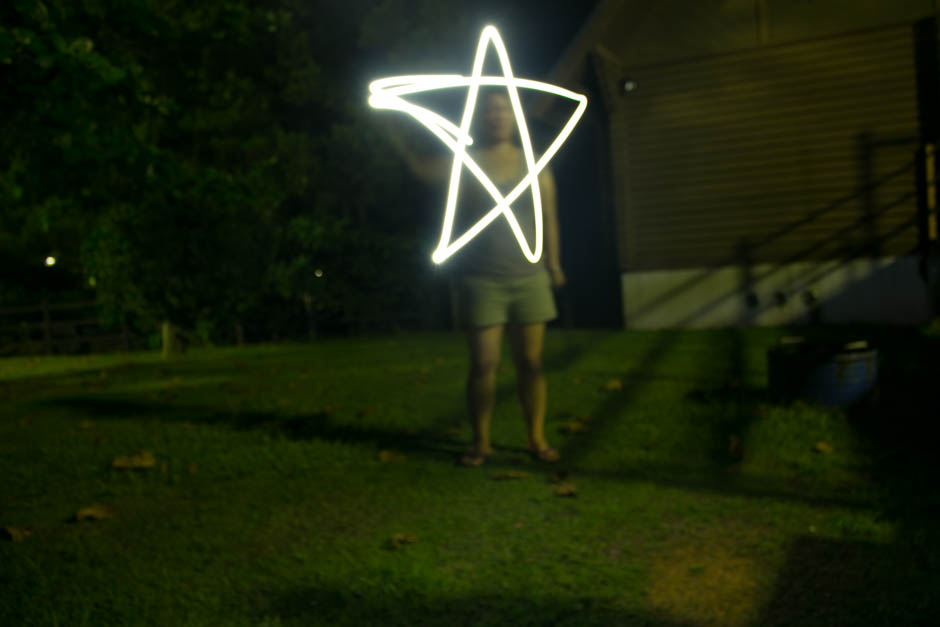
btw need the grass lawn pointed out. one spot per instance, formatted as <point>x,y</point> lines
<point>316,485</point>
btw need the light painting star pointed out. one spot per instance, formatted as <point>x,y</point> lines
<point>387,93</point>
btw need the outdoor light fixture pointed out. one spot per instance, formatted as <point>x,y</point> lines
<point>628,85</point>
<point>387,93</point>
<point>50,261</point>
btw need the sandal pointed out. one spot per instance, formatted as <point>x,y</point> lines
<point>472,459</point>
<point>547,454</point>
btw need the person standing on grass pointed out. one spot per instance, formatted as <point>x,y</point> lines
<point>498,289</point>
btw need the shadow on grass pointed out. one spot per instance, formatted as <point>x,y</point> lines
<point>836,582</point>
<point>825,581</point>
<point>438,440</point>
<point>735,407</point>
<point>444,445</point>
<point>336,606</point>
<point>900,425</point>
<point>319,425</point>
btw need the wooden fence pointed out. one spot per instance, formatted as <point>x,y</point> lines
<point>49,328</point>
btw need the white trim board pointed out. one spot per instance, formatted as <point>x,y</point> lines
<point>886,290</point>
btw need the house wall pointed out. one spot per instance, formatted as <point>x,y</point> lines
<point>767,135</point>
<point>642,32</point>
<point>885,290</point>
<point>799,151</point>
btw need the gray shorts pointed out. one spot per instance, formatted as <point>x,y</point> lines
<point>484,301</point>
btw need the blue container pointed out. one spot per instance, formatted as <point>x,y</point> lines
<point>824,373</point>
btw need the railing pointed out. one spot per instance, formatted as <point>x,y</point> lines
<point>49,328</point>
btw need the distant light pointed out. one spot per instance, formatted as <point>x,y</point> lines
<point>629,85</point>
<point>318,273</point>
<point>92,282</point>
<point>50,261</point>
<point>387,93</point>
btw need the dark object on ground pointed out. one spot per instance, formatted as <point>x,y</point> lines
<point>821,372</point>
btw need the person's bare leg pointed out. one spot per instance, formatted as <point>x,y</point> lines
<point>526,341</point>
<point>485,344</point>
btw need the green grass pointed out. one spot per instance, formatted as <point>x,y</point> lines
<point>269,504</point>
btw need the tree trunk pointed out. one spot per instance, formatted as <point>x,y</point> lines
<point>172,344</point>
<point>239,333</point>
<point>307,299</point>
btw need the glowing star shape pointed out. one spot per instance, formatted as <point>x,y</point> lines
<point>387,94</point>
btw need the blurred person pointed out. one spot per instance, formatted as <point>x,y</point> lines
<point>497,289</point>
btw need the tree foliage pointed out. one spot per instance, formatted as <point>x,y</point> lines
<point>214,161</point>
<point>182,155</point>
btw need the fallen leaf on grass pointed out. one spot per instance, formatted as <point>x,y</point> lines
<point>86,424</point>
<point>614,385</point>
<point>143,459</point>
<point>391,456</point>
<point>94,512</point>
<point>572,427</point>
<point>510,474</point>
<point>16,534</point>
<point>400,539</point>
<point>559,477</point>
<point>566,489</point>
<point>823,447</point>
<point>191,467</point>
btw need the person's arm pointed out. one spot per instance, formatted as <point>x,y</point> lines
<point>552,250</point>
<point>428,169</point>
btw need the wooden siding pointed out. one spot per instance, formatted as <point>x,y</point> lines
<point>802,151</point>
